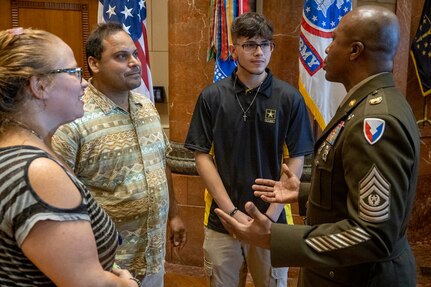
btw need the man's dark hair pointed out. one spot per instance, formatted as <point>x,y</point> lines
<point>94,46</point>
<point>250,25</point>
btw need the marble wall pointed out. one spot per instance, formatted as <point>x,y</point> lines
<point>189,73</point>
<point>419,228</point>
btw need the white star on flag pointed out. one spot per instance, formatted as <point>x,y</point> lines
<point>127,12</point>
<point>111,11</point>
<point>319,19</point>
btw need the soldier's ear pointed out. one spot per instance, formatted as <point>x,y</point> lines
<point>356,49</point>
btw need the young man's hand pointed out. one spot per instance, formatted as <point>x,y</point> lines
<point>256,231</point>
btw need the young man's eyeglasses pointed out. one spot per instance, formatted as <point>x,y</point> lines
<point>251,47</point>
<point>76,71</point>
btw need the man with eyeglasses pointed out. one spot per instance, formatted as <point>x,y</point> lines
<point>117,149</point>
<point>244,127</point>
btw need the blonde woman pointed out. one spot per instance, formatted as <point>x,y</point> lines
<point>52,232</point>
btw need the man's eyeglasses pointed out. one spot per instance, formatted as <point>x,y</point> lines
<point>76,71</point>
<point>251,47</point>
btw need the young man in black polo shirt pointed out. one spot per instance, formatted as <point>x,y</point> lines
<point>245,127</point>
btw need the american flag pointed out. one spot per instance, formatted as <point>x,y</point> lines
<point>133,15</point>
<point>319,20</point>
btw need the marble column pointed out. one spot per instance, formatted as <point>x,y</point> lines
<point>189,73</point>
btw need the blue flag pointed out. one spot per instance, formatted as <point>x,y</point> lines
<point>223,69</point>
<point>421,50</point>
<point>222,14</point>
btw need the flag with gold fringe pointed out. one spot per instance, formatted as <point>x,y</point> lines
<point>319,20</point>
<point>222,14</point>
<point>421,50</point>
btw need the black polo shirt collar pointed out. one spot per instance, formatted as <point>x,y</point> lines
<point>265,89</point>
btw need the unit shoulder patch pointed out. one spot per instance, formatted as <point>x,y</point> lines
<point>373,129</point>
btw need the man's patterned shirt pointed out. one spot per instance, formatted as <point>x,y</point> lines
<point>120,157</point>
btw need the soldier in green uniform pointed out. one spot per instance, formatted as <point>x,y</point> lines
<point>364,172</point>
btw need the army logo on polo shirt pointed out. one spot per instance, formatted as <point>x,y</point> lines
<point>270,116</point>
<point>374,193</point>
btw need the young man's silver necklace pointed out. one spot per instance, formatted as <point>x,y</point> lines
<point>244,112</point>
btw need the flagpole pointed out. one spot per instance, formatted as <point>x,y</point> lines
<point>425,120</point>
<point>259,6</point>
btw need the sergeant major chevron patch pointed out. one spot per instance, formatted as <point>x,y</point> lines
<point>374,195</point>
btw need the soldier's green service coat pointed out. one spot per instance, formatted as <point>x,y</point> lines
<point>363,185</point>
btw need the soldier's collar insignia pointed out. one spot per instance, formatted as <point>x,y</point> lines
<point>352,103</point>
<point>373,129</point>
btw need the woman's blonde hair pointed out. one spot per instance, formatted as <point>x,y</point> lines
<point>23,54</point>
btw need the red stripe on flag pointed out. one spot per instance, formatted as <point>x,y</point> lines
<point>314,31</point>
<point>142,57</point>
<point>245,6</point>
<point>144,35</point>
<point>224,35</point>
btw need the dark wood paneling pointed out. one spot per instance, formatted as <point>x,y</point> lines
<point>70,20</point>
